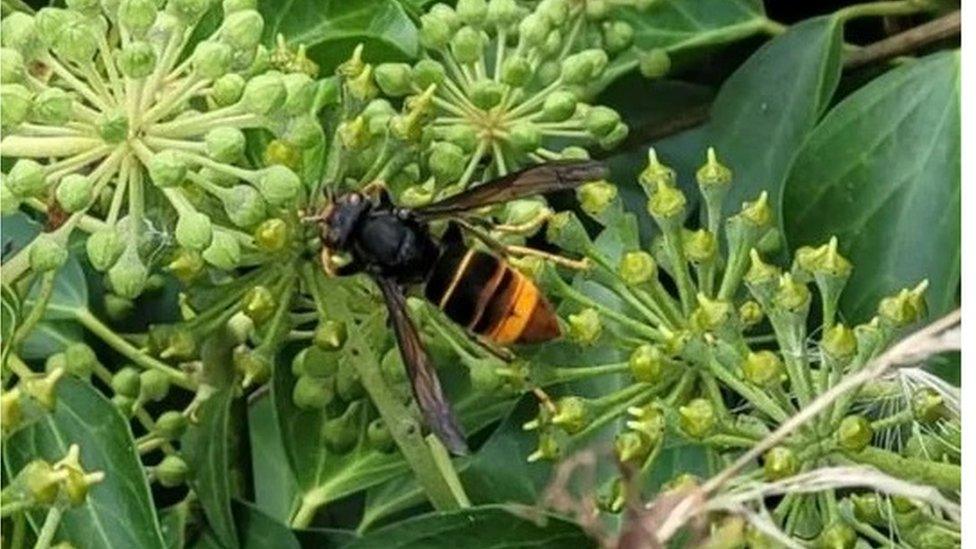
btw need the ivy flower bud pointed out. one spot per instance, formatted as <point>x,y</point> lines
<point>264,93</point>
<point>393,78</point>
<point>468,45</point>
<point>212,59</point>
<point>254,366</point>
<point>905,308</point>
<point>16,101</point>
<point>153,386</point>
<point>47,254</point>
<point>279,185</point>
<point>472,12</point>
<point>534,29</point>
<point>435,31</point>
<point>348,384</point>
<point>516,70</point>
<point>300,91</point>
<point>194,230</point>
<point>363,87</point>
<point>379,437</point>
<point>242,29</point>
<point>614,136</point>
<point>44,389</point>
<point>225,144</point>
<point>74,192</point>
<point>750,314</point>
<point>330,335</point>
<point>600,120</point>
<point>617,36</point>
<point>583,67</point>
<point>792,296</point>
<point>76,41</point>
<point>648,364</point>
<point>632,447</point>
<point>259,304</point>
<point>462,135</point>
<point>559,106</point>
<point>171,425</point>
<point>638,267</point>
<point>656,173</point>
<point>52,106</point>
<point>126,382</point>
<point>585,327</point>
<point>779,462</point>
<point>446,162</point>
<point>228,89</point>
<point>548,448</point>
<point>40,482</point>
<point>167,168</point>
<point>567,232</point>
<point>137,60</point>
<point>572,414</point>
<point>79,360</point>
<point>762,368</point>
<point>104,247</point>
<point>667,205</point>
<point>271,235</point>
<point>486,94</point>
<point>854,433</point>
<point>12,68</point>
<point>427,72</point>
<point>317,362</point>
<point>11,410</point>
<point>762,278</point>
<point>313,393</point>
<point>113,126</point>
<point>125,405</point>
<point>699,246</point>
<point>839,343</point>
<point>928,406</point>
<point>594,197</point>
<point>172,471</point>
<point>525,136</point>
<point>137,16</point>
<point>20,33</point>
<point>353,133</point>
<point>697,418</point>
<point>244,205</point>
<point>837,535</point>
<point>867,508</point>
<point>655,63</point>
<point>712,315</point>
<point>758,212</point>
<point>128,275</point>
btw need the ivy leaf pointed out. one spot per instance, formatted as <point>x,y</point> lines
<point>882,173</point>
<point>493,526</point>
<point>274,484</point>
<point>677,25</point>
<point>119,510</point>
<point>330,29</point>
<point>765,110</point>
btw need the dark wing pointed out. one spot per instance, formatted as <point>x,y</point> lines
<point>541,179</point>
<point>423,379</point>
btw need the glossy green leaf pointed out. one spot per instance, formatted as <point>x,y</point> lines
<point>258,530</point>
<point>766,109</point>
<point>331,28</point>
<point>274,484</point>
<point>207,451</point>
<point>677,25</point>
<point>882,173</point>
<point>490,526</point>
<point>119,511</point>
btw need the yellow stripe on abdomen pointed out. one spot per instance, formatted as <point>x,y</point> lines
<point>520,310</point>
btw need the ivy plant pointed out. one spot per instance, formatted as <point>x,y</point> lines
<point>782,209</point>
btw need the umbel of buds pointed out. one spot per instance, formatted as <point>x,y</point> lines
<point>500,85</point>
<point>129,116</point>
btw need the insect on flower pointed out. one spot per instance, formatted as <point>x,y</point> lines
<point>475,289</point>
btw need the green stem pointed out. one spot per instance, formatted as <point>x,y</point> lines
<point>944,476</point>
<point>9,508</point>
<point>37,310</point>
<point>437,481</point>
<point>88,320</point>
<point>878,9</point>
<point>50,527</point>
<point>24,146</point>
<point>759,399</point>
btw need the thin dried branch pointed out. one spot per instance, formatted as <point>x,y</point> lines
<point>905,42</point>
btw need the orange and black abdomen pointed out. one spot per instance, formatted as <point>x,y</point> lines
<point>488,297</point>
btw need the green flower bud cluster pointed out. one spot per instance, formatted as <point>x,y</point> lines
<point>42,484</point>
<point>501,84</point>
<point>721,343</point>
<point>124,128</point>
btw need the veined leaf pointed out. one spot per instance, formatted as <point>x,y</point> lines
<point>119,510</point>
<point>677,25</point>
<point>882,173</point>
<point>331,28</point>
